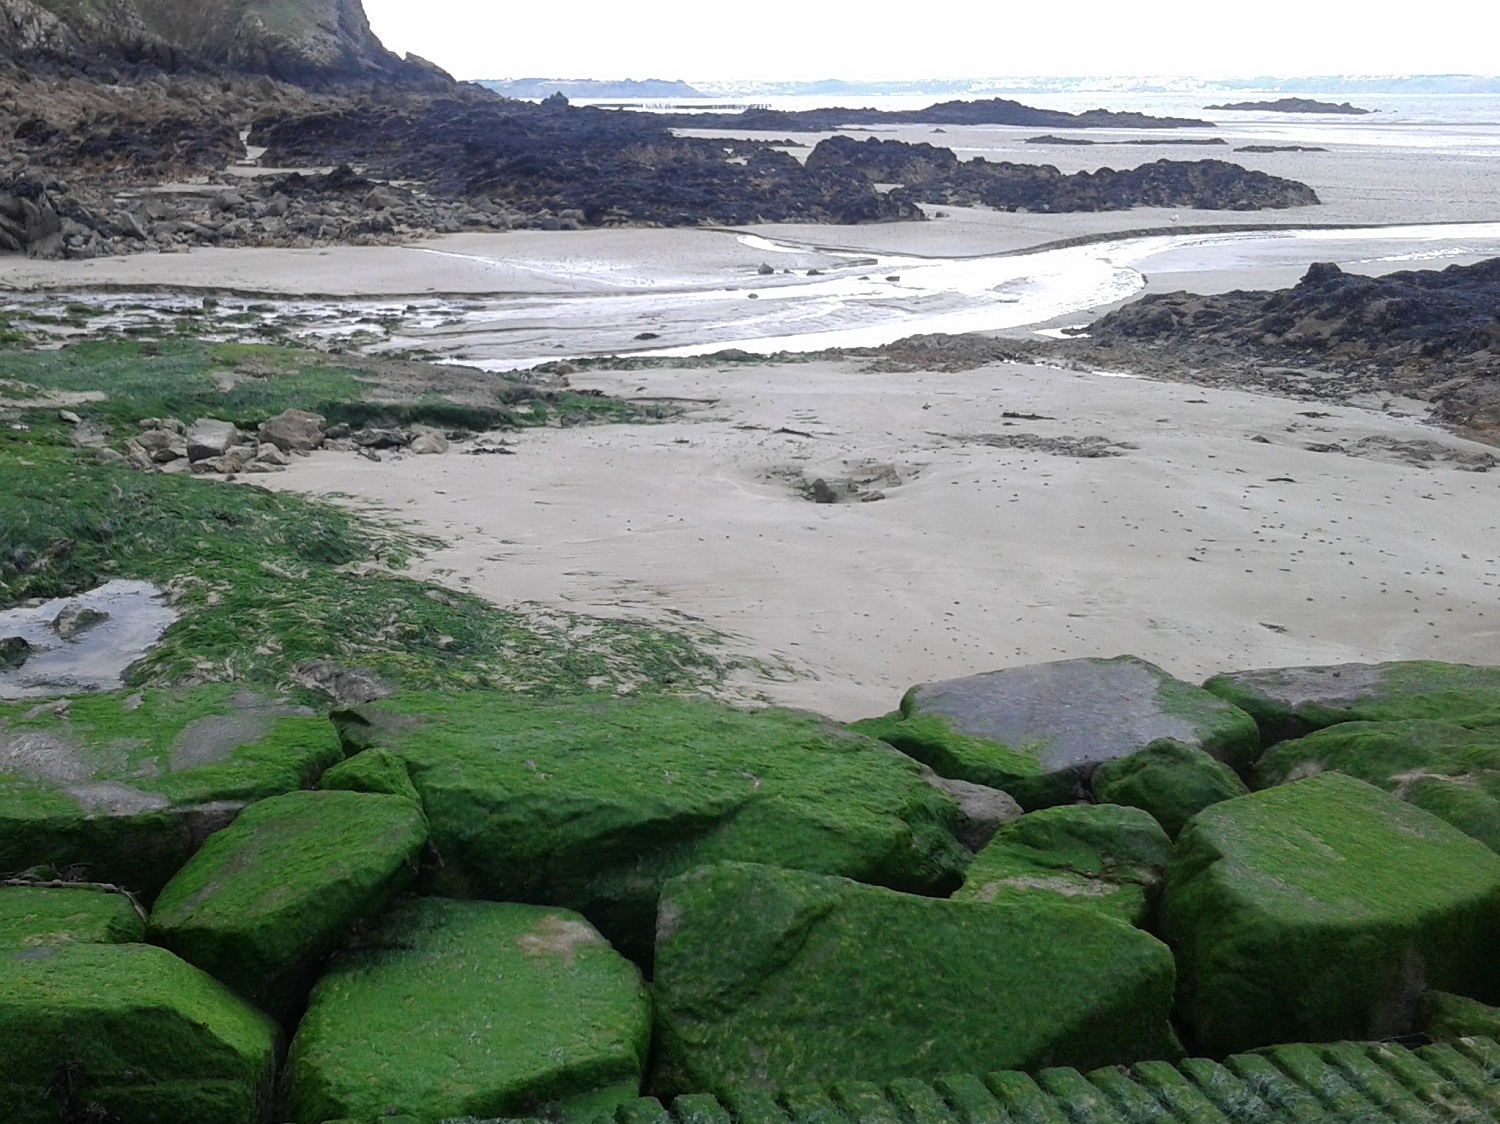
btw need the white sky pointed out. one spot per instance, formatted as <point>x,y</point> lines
<point>810,39</point>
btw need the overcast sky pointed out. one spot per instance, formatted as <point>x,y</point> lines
<point>810,39</point>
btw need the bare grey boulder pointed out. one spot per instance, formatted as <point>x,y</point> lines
<point>294,431</point>
<point>209,437</point>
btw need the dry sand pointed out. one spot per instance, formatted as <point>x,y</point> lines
<point>1201,549</point>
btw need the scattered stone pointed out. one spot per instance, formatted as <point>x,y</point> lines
<point>137,1035</point>
<point>1451,771</point>
<point>523,1011</point>
<point>68,417</point>
<point>1038,732</point>
<point>652,788</point>
<point>1323,910</point>
<point>1289,702</point>
<point>769,978</point>
<point>267,898</point>
<point>271,455</point>
<point>294,431</point>
<point>1094,856</point>
<point>48,916</point>
<point>14,651</point>
<point>74,618</point>
<point>1172,781</point>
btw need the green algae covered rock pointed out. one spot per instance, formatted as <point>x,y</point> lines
<point>770,978</point>
<point>1172,781</point>
<point>32,916</point>
<point>1287,702</point>
<point>1446,1017</point>
<point>452,1009</point>
<point>1097,856</point>
<point>264,899</point>
<point>375,770</point>
<point>126,786</point>
<point>593,804</point>
<point>135,1031</point>
<point>1451,771</point>
<point>1038,732</point>
<point>1322,910</point>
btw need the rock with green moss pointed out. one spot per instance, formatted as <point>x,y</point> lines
<point>375,770</point>
<point>1172,781</point>
<point>1446,1017</point>
<point>33,916</point>
<point>1038,732</point>
<point>451,1009</point>
<point>592,804</point>
<point>131,1029</point>
<point>124,787</point>
<point>264,900</point>
<point>1322,910</point>
<point>1451,771</point>
<point>1095,856</point>
<point>770,978</point>
<point>1288,702</point>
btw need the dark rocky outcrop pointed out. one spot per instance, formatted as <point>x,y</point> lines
<point>1293,105</point>
<point>935,175</point>
<point>983,111</point>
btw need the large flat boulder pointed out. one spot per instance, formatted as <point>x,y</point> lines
<point>269,896</point>
<point>1104,857</point>
<point>131,1029</point>
<point>1288,702</point>
<point>36,916</point>
<point>1039,731</point>
<point>1172,781</point>
<point>123,787</point>
<point>1322,910</point>
<point>1451,771</point>
<point>592,805</point>
<point>770,978</point>
<point>454,1009</point>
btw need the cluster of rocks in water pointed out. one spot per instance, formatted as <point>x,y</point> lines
<point>1050,889</point>
<point>1428,334</point>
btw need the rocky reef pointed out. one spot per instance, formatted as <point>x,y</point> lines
<point>1294,105</point>
<point>982,111</point>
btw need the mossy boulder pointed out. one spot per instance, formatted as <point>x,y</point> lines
<point>1322,910</point>
<point>592,804</point>
<point>1095,856</point>
<point>131,1029</point>
<point>34,916</point>
<point>1288,702</point>
<point>1446,1017</point>
<point>1451,771</point>
<point>266,898</point>
<point>1038,732</point>
<point>451,1009</point>
<point>769,978</point>
<point>126,786</point>
<point>1172,781</point>
<point>375,770</point>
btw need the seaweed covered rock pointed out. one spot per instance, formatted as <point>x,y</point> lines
<point>1096,856</point>
<point>127,1032</point>
<point>270,895</point>
<point>592,805</point>
<point>35,916</point>
<point>1446,1017</point>
<point>1172,781</point>
<point>125,787</point>
<point>770,978</point>
<point>375,770</point>
<point>1288,702</point>
<point>1451,771</point>
<point>1039,731</point>
<point>1323,910</point>
<point>453,1009</point>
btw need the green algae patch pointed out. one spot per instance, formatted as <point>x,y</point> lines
<point>1094,856</point>
<point>770,979</point>
<point>375,770</point>
<point>135,1031</point>
<point>1322,910</point>
<point>269,896</point>
<point>124,786</point>
<point>1038,732</point>
<point>592,804</point>
<point>1172,781</point>
<point>472,1009</point>
<point>1446,1017</point>
<point>1451,771</point>
<point>1288,702</point>
<point>35,916</point>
